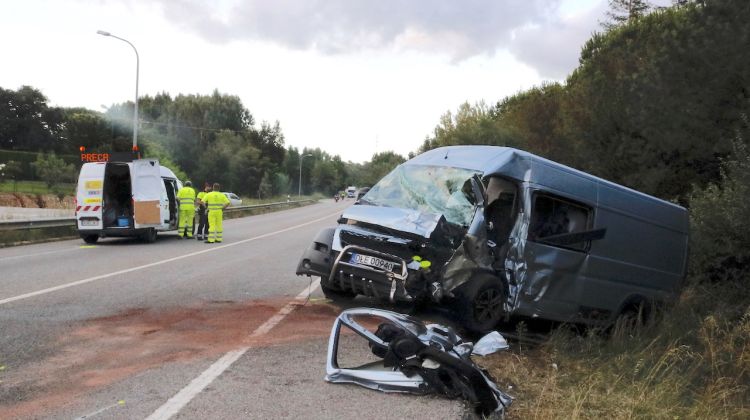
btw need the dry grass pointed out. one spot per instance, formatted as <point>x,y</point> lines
<point>693,364</point>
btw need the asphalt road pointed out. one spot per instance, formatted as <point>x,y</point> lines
<point>180,328</point>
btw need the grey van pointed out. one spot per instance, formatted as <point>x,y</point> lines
<point>499,232</point>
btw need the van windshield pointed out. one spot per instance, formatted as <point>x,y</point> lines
<point>427,189</point>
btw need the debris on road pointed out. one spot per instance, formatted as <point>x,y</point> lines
<point>417,358</point>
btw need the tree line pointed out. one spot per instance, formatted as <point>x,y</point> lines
<point>204,138</point>
<point>655,103</point>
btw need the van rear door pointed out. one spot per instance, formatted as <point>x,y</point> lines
<point>147,191</point>
<point>89,196</point>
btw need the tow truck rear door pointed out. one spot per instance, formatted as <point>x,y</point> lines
<point>147,189</point>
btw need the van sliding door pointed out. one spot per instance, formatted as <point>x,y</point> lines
<point>147,188</point>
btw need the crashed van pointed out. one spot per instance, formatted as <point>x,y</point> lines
<point>135,198</point>
<point>496,232</point>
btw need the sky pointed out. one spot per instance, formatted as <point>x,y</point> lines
<point>352,77</point>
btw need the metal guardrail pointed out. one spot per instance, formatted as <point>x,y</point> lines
<point>71,221</point>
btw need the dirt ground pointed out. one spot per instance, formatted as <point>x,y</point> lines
<point>101,351</point>
<point>41,201</point>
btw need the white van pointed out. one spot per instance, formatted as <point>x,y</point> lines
<point>135,198</point>
<point>351,192</point>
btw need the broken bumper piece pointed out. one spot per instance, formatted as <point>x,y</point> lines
<point>416,358</point>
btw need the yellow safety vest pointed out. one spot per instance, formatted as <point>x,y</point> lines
<point>186,197</point>
<point>215,201</point>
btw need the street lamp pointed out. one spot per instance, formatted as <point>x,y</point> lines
<point>299,193</point>
<point>135,108</point>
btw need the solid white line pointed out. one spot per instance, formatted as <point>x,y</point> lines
<point>38,253</point>
<point>213,248</point>
<point>185,395</point>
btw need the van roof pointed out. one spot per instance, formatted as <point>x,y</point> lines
<point>97,169</point>
<point>524,166</point>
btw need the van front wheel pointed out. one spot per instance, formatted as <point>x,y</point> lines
<point>90,239</point>
<point>482,304</point>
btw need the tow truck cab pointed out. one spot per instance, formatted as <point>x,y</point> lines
<point>126,199</point>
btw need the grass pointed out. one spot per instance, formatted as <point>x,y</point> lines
<point>693,364</point>
<point>35,187</point>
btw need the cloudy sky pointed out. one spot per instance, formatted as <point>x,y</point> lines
<point>349,76</point>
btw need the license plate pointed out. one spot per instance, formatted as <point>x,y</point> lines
<point>372,262</point>
<point>89,222</point>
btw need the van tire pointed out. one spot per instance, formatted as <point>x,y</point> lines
<point>149,236</point>
<point>632,318</point>
<point>90,239</point>
<point>482,303</point>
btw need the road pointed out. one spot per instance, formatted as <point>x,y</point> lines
<point>180,328</point>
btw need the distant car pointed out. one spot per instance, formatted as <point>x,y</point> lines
<point>351,192</point>
<point>233,199</point>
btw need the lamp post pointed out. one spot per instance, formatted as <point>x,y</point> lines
<point>135,107</point>
<point>299,193</point>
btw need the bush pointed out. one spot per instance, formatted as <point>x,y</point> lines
<point>720,222</point>
<point>53,170</point>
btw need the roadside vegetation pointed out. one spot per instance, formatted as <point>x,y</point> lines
<point>36,187</point>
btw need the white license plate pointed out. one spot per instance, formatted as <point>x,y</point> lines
<point>372,262</point>
<point>89,222</point>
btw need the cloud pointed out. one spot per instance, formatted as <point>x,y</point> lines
<point>532,30</point>
<point>554,47</point>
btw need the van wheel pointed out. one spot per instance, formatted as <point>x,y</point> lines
<point>90,239</point>
<point>482,304</point>
<point>337,295</point>
<point>149,236</point>
<point>631,319</point>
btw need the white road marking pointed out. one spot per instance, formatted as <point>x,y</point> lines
<point>185,395</point>
<point>213,248</point>
<point>38,253</point>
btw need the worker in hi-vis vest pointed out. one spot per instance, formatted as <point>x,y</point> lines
<point>216,202</point>
<point>186,200</point>
<point>202,233</point>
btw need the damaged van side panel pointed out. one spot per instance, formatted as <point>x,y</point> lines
<point>640,256</point>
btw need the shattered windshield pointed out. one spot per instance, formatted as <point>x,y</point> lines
<point>427,189</point>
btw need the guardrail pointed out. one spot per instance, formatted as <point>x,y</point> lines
<point>71,221</point>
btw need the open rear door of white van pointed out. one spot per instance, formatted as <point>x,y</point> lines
<point>147,187</point>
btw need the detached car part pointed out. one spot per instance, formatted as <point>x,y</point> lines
<point>419,359</point>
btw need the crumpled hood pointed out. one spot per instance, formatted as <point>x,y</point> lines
<point>403,220</point>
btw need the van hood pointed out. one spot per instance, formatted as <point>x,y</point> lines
<point>404,220</point>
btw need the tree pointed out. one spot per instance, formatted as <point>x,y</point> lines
<point>53,170</point>
<point>622,11</point>
<point>10,170</point>
<point>27,123</point>
<point>265,188</point>
<point>379,166</point>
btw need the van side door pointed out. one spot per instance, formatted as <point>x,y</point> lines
<point>147,193</point>
<point>556,266</point>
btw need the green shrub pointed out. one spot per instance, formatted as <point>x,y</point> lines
<point>720,222</point>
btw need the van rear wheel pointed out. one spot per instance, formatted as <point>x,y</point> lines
<point>149,236</point>
<point>90,239</point>
<point>482,304</point>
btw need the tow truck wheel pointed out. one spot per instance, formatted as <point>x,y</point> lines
<point>90,239</point>
<point>337,295</point>
<point>482,304</point>
<point>149,236</point>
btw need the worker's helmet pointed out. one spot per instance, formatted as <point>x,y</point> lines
<point>188,184</point>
